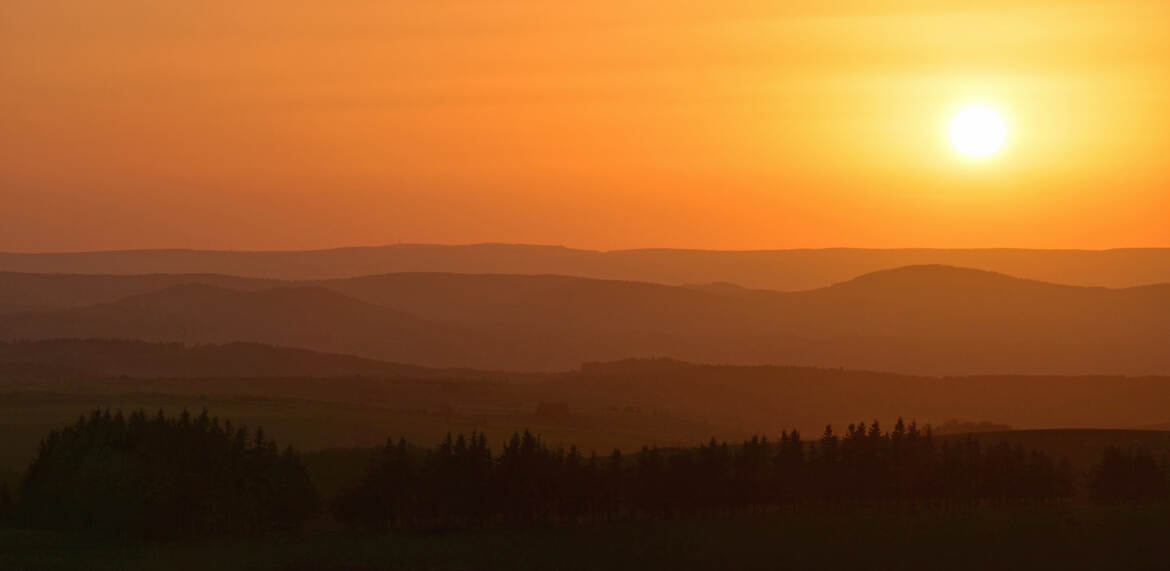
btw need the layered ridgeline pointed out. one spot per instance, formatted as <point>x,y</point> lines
<point>95,359</point>
<point>318,400</point>
<point>785,270</point>
<point>697,399</point>
<point>935,320</point>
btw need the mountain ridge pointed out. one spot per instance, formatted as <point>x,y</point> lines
<point>726,395</point>
<point>784,270</point>
<point>925,319</point>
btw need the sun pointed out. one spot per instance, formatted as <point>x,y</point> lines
<point>978,131</point>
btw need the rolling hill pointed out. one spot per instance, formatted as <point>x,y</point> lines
<point>36,292</point>
<point>786,270</point>
<point>307,317</point>
<point>48,359</point>
<point>920,319</point>
<point>335,400</point>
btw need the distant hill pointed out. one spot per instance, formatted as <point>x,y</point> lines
<point>771,397</point>
<point>786,270</point>
<point>89,358</point>
<point>1082,447</point>
<point>33,292</point>
<point>679,402</point>
<point>922,319</point>
<point>936,320</point>
<point>308,317</point>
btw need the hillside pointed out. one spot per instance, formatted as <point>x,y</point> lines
<point>922,319</point>
<point>37,292</point>
<point>319,400</point>
<point>307,317</point>
<point>771,397</point>
<point>786,270</point>
<point>97,358</point>
<point>935,320</point>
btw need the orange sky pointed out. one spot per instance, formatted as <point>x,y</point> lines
<point>607,124</point>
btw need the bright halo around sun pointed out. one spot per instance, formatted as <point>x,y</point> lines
<point>978,131</point>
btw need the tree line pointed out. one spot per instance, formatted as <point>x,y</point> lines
<point>461,482</point>
<point>141,476</point>
<point>1129,476</point>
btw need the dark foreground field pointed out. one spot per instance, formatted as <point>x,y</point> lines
<point>1051,537</point>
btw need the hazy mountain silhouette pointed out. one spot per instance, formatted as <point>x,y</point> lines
<point>919,319</point>
<point>32,292</point>
<point>787,270</point>
<point>90,358</point>
<point>749,397</point>
<point>309,317</point>
<point>801,396</point>
<point>928,319</point>
<point>724,288</point>
<point>559,302</point>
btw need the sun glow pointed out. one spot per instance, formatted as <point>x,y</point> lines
<point>978,131</point>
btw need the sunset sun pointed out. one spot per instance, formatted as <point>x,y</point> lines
<point>619,284</point>
<point>978,131</point>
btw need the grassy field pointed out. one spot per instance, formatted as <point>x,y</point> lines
<point>1054,537</point>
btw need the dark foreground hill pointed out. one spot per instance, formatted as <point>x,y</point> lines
<point>787,270</point>
<point>920,319</point>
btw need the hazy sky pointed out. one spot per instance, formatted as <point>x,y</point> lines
<point>606,124</point>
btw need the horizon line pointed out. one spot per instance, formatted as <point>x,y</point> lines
<point>563,247</point>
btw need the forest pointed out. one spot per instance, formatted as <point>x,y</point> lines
<point>153,477</point>
<point>140,476</point>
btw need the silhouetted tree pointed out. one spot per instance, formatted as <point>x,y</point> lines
<point>462,484</point>
<point>164,477</point>
<point>386,492</point>
<point>1131,476</point>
